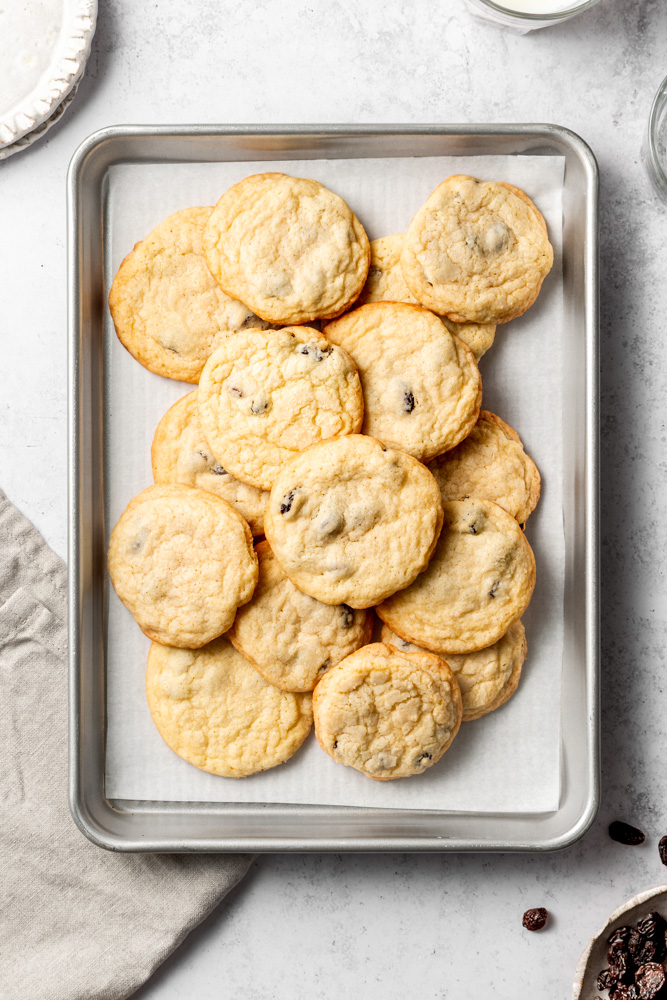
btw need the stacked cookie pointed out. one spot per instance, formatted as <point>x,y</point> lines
<point>358,450</point>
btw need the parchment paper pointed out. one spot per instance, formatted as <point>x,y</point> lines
<point>507,762</point>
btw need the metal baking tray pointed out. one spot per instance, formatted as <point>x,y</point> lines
<point>200,826</point>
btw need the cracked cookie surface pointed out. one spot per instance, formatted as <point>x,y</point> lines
<point>291,638</point>
<point>266,395</point>
<point>385,283</point>
<point>287,246</point>
<point>479,581</point>
<point>180,454</point>
<point>214,710</point>
<point>352,521</point>
<point>422,388</point>
<point>168,310</point>
<point>491,464</point>
<point>181,561</point>
<point>476,251</point>
<point>488,677</point>
<point>387,713</point>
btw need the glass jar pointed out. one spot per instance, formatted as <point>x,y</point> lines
<point>532,13</point>
<point>654,150</point>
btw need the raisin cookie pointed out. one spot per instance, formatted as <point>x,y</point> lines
<point>180,454</point>
<point>488,677</point>
<point>214,710</point>
<point>352,521</point>
<point>265,395</point>
<point>385,283</point>
<point>181,561</point>
<point>291,638</point>
<point>288,247</point>
<point>168,310</point>
<point>490,464</point>
<point>476,251</point>
<point>387,713</point>
<point>422,388</point>
<point>479,581</point>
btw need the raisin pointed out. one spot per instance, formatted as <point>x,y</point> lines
<point>649,979</point>
<point>286,505</point>
<point>316,352</point>
<point>325,666</point>
<point>623,991</point>
<point>347,615</point>
<point>374,272</point>
<point>473,529</point>
<point>605,980</point>
<point>642,951</point>
<point>218,470</point>
<point>494,588</point>
<point>621,966</point>
<point>236,392</point>
<point>334,744</point>
<point>623,833</point>
<point>662,850</point>
<point>651,925</point>
<point>259,406</point>
<point>620,935</point>
<point>423,756</point>
<point>534,920</point>
<point>408,402</point>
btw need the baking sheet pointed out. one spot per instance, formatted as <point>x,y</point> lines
<point>508,762</point>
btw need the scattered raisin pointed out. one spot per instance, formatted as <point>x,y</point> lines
<point>423,756</point>
<point>494,588</point>
<point>662,850</point>
<point>334,744</point>
<point>408,402</point>
<point>650,978</point>
<point>218,470</point>
<point>325,666</point>
<point>286,505</point>
<point>534,920</point>
<point>623,833</point>
<point>236,392</point>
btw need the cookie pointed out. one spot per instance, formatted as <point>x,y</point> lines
<point>266,395</point>
<point>487,678</point>
<point>387,713</point>
<point>422,388</point>
<point>180,454</point>
<point>352,521</point>
<point>288,247</point>
<point>214,710</point>
<point>167,309</point>
<point>490,464</point>
<point>479,581</point>
<point>385,283</point>
<point>181,561</point>
<point>291,638</point>
<point>476,251</point>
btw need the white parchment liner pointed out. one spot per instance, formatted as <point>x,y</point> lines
<point>507,762</point>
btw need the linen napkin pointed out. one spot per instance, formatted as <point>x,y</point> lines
<point>76,922</point>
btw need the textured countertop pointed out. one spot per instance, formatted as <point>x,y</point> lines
<point>396,926</point>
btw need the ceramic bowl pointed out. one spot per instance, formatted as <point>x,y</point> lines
<point>594,958</point>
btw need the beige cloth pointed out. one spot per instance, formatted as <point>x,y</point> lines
<point>76,922</point>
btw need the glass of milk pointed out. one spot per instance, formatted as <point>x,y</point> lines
<point>654,150</point>
<point>525,15</point>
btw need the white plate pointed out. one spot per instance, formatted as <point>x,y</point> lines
<point>37,133</point>
<point>44,45</point>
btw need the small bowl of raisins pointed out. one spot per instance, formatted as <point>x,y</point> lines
<point>627,959</point>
